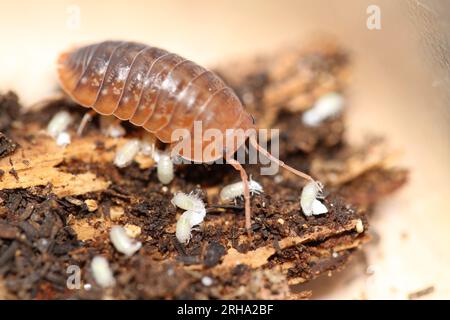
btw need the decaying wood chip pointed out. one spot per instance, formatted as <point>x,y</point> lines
<point>351,162</point>
<point>90,229</point>
<point>91,205</point>
<point>115,213</point>
<point>260,256</point>
<point>43,157</point>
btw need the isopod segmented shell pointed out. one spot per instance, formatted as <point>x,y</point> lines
<point>152,88</point>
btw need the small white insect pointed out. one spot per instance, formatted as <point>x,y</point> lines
<point>183,229</point>
<point>207,281</point>
<point>318,208</point>
<point>59,123</point>
<point>235,190</point>
<point>126,154</point>
<point>194,215</point>
<point>188,201</point>
<point>122,242</point>
<point>359,226</point>
<point>310,205</point>
<point>165,169</point>
<point>329,105</point>
<point>63,139</point>
<point>102,273</point>
<point>185,224</point>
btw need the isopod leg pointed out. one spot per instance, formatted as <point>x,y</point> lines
<point>84,121</point>
<point>244,177</point>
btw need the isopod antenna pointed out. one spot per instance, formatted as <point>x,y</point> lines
<point>256,145</point>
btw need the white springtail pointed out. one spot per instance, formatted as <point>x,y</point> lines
<point>122,242</point>
<point>164,169</point>
<point>309,202</point>
<point>57,128</point>
<point>327,106</point>
<point>187,221</point>
<point>102,273</point>
<point>188,201</point>
<point>126,153</point>
<point>235,190</point>
<point>63,139</point>
<point>59,123</point>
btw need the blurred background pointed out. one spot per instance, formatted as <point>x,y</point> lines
<point>400,89</point>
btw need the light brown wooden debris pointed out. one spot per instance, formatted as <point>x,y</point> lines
<point>260,256</point>
<point>37,165</point>
<point>351,163</point>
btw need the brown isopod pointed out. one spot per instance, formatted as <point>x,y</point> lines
<point>161,92</point>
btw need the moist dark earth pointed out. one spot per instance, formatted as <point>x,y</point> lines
<point>42,233</point>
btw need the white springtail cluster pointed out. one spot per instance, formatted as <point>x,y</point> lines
<point>194,215</point>
<point>164,169</point>
<point>235,190</point>
<point>327,106</point>
<point>309,202</point>
<point>122,242</point>
<point>102,273</point>
<point>126,153</point>
<point>57,128</point>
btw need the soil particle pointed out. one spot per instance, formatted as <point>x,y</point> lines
<point>9,110</point>
<point>7,146</point>
<point>213,254</point>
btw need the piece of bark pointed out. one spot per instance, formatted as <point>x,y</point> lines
<point>349,162</point>
<point>39,163</point>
